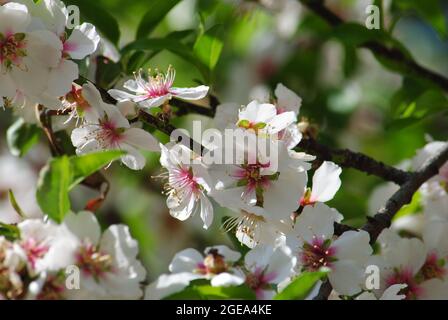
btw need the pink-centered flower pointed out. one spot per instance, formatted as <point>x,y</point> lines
<point>267,266</point>
<point>186,184</point>
<point>156,90</point>
<point>110,130</point>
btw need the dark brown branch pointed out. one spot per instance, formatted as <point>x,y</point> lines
<point>392,55</point>
<point>349,159</point>
<point>383,219</point>
<point>404,195</point>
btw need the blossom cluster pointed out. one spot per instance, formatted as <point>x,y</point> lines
<point>279,203</point>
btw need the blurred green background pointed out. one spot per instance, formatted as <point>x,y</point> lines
<point>357,102</point>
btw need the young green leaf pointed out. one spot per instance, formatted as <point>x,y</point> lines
<point>94,13</point>
<point>157,10</point>
<point>53,187</point>
<point>85,165</point>
<point>14,204</point>
<point>208,46</point>
<point>301,286</point>
<point>21,137</point>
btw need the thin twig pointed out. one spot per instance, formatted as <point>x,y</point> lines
<point>393,55</point>
<point>349,159</point>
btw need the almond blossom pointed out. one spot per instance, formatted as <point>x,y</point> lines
<point>111,131</point>
<point>263,118</point>
<point>417,264</point>
<point>26,57</point>
<point>260,179</point>
<point>186,185</point>
<point>346,257</point>
<point>268,266</point>
<point>107,261</point>
<point>156,90</point>
<point>78,43</point>
<point>190,264</point>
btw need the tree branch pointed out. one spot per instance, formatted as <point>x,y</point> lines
<point>349,159</point>
<point>383,219</point>
<point>393,55</point>
<point>404,195</point>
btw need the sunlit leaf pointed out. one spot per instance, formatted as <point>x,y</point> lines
<point>21,137</point>
<point>301,286</point>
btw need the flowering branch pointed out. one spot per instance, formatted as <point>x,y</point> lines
<point>404,195</point>
<point>349,159</point>
<point>392,55</point>
<point>383,219</point>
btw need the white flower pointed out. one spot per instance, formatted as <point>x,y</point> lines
<point>157,90</point>
<point>52,15</point>
<point>111,130</point>
<point>414,263</point>
<point>187,185</point>
<point>45,245</point>
<point>190,264</point>
<point>326,183</point>
<point>391,293</point>
<point>312,241</point>
<point>26,57</point>
<point>108,262</point>
<point>274,182</point>
<point>268,266</point>
<point>263,118</point>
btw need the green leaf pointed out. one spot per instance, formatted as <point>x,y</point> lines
<point>354,34</point>
<point>138,59</point>
<point>14,204</point>
<point>172,45</point>
<point>53,187</point>
<point>21,137</point>
<point>10,232</point>
<point>208,46</point>
<point>301,286</point>
<point>207,292</point>
<point>94,13</point>
<point>85,165</point>
<point>157,10</point>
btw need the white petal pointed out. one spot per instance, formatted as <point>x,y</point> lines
<point>392,293</point>
<point>139,138</point>
<point>316,221</point>
<point>84,225</point>
<point>281,198</point>
<point>190,93</point>
<point>44,47</point>
<point>206,211</point>
<point>186,261</point>
<point>14,18</point>
<point>226,279</point>
<point>62,77</point>
<point>346,277</point>
<point>353,245</point>
<point>326,182</point>
<point>287,99</point>
<point>153,102</point>
<point>281,122</point>
<point>121,95</point>
<point>168,284</point>
<point>133,159</point>
<point>83,41</point>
